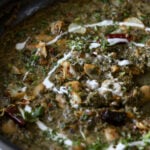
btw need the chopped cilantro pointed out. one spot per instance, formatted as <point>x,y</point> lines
<point>33,115</point>
<point>98,145</point>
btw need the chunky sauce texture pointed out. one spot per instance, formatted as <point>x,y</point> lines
<point>75,76</point>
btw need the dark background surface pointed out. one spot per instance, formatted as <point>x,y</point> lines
<point>13,12</point>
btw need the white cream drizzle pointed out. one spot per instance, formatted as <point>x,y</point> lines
<point>21,46</point>
<point>61,90</point>
<point>102,23</point>
<point>28,109</point>
<point>24,89</point>
<point>57,136</point>
<point>121,146</point>
<point>66,56</point>
<point>124,62</point>
<point>147,29</point>
<point>113,41</point>
<point>94,45</point>
<point>25,75</point>
<point>131,24</point>
<point>47,83</point>
<point>138,44</point>
<point>73,29</point>
<point>76,28</point>
<point>56,38</point>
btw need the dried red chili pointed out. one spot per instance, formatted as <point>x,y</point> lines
<point>13,113</point>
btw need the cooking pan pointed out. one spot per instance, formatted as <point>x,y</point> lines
<point>14,14</point>
<point>6,145</point>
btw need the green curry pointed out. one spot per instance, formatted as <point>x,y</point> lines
<point>76,76</point>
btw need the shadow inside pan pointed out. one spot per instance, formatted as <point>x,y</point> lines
<point>5,145</point>
<point>143,79</point>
